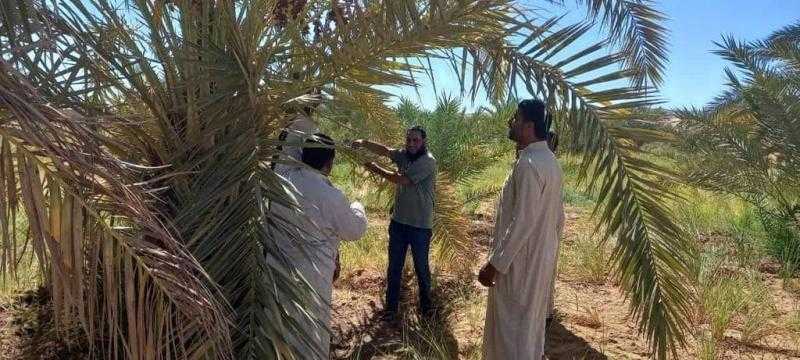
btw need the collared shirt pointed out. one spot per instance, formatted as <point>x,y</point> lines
<point>413,204</point>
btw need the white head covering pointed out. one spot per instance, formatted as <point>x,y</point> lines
<point>298,129</point>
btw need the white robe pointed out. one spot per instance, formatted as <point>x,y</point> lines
<point>331,219</point>
<point>524,253</point>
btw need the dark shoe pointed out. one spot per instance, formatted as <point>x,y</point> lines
<point>389,316</point>
<point>428,313</point>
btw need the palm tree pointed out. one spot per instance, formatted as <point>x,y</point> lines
<point>747,141</point>
<point>135,137</point>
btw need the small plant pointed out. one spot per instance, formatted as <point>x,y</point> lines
<point>747,235</point>
<point>721,302</point>
<point>756,313</point>
<point>707,348</point>
<point>590,318</point>
<point>793,323</point>
<point>591,260</point>
<point>790,264</point>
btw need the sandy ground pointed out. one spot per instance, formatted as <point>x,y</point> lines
<point>593,320</point>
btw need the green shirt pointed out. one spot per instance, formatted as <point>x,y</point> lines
<point>413,204</point>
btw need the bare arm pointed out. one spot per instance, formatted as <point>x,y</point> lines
<point>373,147</point>
<point>392,176</point>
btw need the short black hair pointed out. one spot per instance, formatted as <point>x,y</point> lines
<point>418,129</point>
<point>534,110</point>
<point>316,157</point>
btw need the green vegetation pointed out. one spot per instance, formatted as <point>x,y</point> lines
<point>137,135</point>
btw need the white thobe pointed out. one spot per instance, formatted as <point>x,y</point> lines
<point>524,253</point>
<point>330,219</point>
<point>551,303</point>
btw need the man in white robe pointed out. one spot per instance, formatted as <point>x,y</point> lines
<point>331,218</point>
<point>521,264</point>
<point>552,143</point>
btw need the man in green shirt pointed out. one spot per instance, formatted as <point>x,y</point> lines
<point>412,214</point>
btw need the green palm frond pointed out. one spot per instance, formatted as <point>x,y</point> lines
<point>188,92</point>
<point>636,28</point>
<point>749,137</point>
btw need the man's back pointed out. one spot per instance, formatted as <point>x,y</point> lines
<point>332,217</point>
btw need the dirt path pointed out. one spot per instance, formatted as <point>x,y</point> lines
<point>593,320</point>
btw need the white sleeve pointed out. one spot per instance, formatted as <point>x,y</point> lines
<point>527,195</point>
<point>348,220</point>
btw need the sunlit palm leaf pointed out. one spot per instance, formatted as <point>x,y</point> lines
<point>748,139</point>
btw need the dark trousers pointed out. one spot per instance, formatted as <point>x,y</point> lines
<point>400,238</point>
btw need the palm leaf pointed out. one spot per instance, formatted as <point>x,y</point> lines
<point>87,207</point>
<point>195,88</point>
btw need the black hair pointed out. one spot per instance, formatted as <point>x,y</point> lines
<point>317,157</point>
<point>423,150</point>
<point>420,130</point>
<point>534,110</point>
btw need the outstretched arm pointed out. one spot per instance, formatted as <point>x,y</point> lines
<point>392,176</point>
<point>373,147</point>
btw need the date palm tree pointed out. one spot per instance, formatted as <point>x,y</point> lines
<point>747,142</point>
<point>136,136</point>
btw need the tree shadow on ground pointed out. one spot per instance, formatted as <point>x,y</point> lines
<point>28,330</point>
<point>561,343</point>
<point>408,337</point>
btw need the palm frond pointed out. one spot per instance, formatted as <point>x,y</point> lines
<point>89,211</point>
<point>748,137</point>
<point>637,27</point>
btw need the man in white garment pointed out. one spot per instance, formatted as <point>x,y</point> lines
<point>552,143</point>
<point>331,219</point>
<point>520,267</point>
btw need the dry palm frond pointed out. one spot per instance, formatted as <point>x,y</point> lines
<point>191,90</point>
<point>93,230</point>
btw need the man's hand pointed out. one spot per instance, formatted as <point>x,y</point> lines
<point>371,166</point>
<point>487,274</point>
<point>358,144</point>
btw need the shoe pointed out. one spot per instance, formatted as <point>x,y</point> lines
<point>428,314</point>
<point>389,316</point>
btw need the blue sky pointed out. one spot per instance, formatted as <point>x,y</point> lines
<point>694,75</point>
